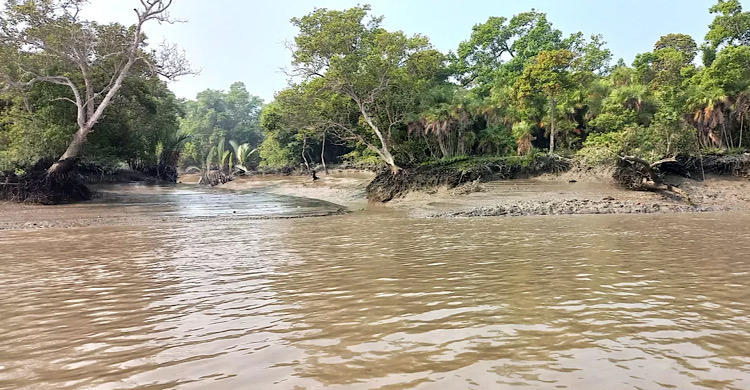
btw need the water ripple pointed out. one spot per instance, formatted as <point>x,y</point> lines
<point>373,300</point>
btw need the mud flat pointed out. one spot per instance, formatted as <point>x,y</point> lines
<point>128,205</point>
<point>562,195</point>
<point>590,191</point>
<point>341,187</point>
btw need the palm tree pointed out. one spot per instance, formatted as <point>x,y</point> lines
<point>224,157</point>
<point>205,169</point>
<point>436,121</point>
<point>522,132</point>
<point>741,108</point>
<point>632,96</point>
<point>709,107</point>
<point>596,95</point>
<point>242,153</point>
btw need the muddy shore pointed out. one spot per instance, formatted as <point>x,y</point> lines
<point>150,205</point>
<point>574,192</point>
<point>342,187</point>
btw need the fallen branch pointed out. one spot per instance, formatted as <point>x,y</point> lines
<point>640,175</point>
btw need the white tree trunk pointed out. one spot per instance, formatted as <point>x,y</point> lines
<point>89,113</point>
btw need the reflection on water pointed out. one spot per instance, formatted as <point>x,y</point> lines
<point>374,300</point>
<point>148,205</point>
<point>192,201</point>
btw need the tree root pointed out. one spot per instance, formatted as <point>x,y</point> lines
<point>640,175</point>
<point>43,188</point>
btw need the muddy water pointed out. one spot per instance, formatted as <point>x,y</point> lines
<point>144,205</point>
<point>378,300</point>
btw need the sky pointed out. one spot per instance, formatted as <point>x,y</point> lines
<point>244,40</point>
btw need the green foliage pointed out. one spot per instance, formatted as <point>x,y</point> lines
<point>242,154</point>
<point>548,73</point>
<point>364,94</point>
<point>601,149</point>
<point>275,154</point>
<point>359,79</point>
<point>496,140</point>
<point>730,27</point>
<point>362,156</point>
<point>216,115</point>
<point>140,128</point>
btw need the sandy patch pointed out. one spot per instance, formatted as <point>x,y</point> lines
<point>346,188</point>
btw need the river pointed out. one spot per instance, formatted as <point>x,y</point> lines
<point>372,300</point>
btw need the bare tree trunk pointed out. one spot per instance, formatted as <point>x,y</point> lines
<point>441,144</point>
<point>727,136</point>
<point>73,150</point>
<point>552,128</point>
<point>304,149</point>
<point>460,141</point>
<point>429,147</point>
<point>742,126</point>
<point>88,112</point>
<point>323,154</point>
<point>388,158</point>
<point>383,151</point>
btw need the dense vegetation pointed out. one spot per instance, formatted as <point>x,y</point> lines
<point>73,87</point>
<point>360,93</point>
<point>513,87</point>
<point>217,116</point>
<point>140,129</point>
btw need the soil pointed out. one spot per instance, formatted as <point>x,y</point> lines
<point>38,186</point>
<point>342,187</point>
<point>387,186</point>
<point>575,193</point>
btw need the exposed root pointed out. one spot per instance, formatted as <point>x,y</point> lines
<point>469,188</point>
<point>387,186</point>
<point>38,186</point>
<point>214,178</point>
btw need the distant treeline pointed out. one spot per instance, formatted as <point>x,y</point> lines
<point>361,93</point>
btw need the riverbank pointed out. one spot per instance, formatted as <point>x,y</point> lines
<point>343,187</point>
<point>38,186</point>
<point>578,191</point>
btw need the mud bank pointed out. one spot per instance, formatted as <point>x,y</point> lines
<point>387,186</point>
<point>575,191</point>
<point>573,207</point>
<point>37,186</point>
<point>341,187</point>
<point>561,195</point>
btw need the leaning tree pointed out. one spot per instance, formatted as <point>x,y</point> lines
<point>47,41</point>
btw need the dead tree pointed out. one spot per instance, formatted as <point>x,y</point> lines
<point>637,174</point>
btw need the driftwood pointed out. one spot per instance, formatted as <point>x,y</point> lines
<point>640,175</point>
<point>214,178</point>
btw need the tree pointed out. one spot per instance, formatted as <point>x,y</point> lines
<point>499,48</point>
<point>549,74</point>
<point>368,65</point>
<point>140,127</point>
<point>215,114</point>
<point>730,27</point>
<point>50,43</point>
<point>681,42</point>
<point>672,61</point>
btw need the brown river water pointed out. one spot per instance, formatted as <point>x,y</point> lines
<point>371,300</point>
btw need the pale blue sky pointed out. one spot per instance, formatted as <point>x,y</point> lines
<point>243,40</point>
